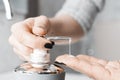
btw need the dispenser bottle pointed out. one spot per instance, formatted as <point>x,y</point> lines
<point>39,67</point>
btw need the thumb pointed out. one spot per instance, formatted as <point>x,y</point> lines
<point>68,60</point>
<point>76,64</point>
<point>41,25</point>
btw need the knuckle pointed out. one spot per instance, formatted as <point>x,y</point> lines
<point>27,50</point>
<point>44,20</point>
<point>29,21</point>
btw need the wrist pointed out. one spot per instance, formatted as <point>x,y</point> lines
<point>55,25</point>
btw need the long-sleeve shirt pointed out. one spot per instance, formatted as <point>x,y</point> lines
<point>83,11</point>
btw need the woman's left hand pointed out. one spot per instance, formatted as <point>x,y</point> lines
<point>95,68</point>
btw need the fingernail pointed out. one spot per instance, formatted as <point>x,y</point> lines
<point>48,45</point>
<point>56,62</point>
<point>53,43</point>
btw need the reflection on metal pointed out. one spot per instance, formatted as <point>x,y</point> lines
<point>8,9</point>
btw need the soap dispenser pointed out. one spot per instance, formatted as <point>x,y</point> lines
<point>40,67</point>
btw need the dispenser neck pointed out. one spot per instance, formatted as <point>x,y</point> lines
<point>39,58</point>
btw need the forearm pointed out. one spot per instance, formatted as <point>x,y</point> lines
<point>75,18</point>
<point>65,25</point>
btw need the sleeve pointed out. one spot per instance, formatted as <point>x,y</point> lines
<point>83,11</point>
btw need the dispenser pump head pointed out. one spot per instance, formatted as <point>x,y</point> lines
<point>39,58</point>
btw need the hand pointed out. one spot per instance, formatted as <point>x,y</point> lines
<point>95,68</point>
<point>26,36</point>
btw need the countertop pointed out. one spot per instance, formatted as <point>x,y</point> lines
<point>69,76</point>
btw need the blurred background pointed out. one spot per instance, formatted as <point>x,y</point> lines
<point>96,43</point>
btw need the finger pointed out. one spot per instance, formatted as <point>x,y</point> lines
<point>113,67</point>
<point>26,66</point>
<point>25,36</point>
<point>29,22</point>
<point>25,25</point>
<point>92,59</point>
<point>98,66</point>
<point>74,63</point>
<point>41,25</point>
<point>114,64</point>
<point>21,56</point>
<point>19,46</point>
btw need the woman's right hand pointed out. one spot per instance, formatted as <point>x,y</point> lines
<point>26,36</point>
